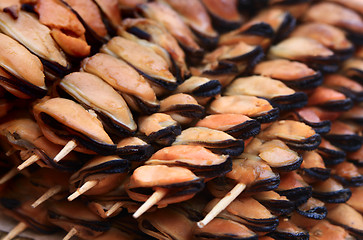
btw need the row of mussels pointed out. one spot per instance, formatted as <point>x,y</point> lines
<point>204,119</point>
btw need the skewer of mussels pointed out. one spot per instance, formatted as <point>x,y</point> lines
<point>67,123</point>
<point>196,164</point>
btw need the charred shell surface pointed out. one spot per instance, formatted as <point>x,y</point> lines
<point>331,156</point>
<point>308,144</point>
<point>265,185</point>
<point>287,103</point>
<point>298,195</point>
<point>268,117</point>
<point>316,173</point>
<point>339,196</point>
<point>279,207</point>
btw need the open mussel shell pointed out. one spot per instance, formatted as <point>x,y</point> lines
<point>166,223</point>
<point>347,174</point>
<point>330,154</point>
<point>183,108</point>
<point>181,183</point>
<point>294,74</point>
<point>236,125</point>
<point>296,135</point>
<point>110,107</point>
<point>275,91</point>
<point>224,229</point>
<point>353,68</point>
<point>310,52</point>
<point>313,208</point>
<point>343,136</point>
<point>347,217</point>
<point>107,170</point>
<point>196,158</point>
<point>62,120</point>
<point>276,153</point>
<point>330,36</point>
<point>215,140</point>
<point>348,20</point>
<point>253,107</point>
<point>201,88</point>
<point>240,210</point>
<point>36,37</point>
<point>278,205</point>
<point>330,191</point>
<point>134,149</point>
<point>123,78</point>
<point>159,128</point>
<point>288,231</point>
<point>225,16</point>
<point>294,188</point>
<point>87,223</point>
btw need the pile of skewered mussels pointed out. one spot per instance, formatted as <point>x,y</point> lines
<point>198,119</point>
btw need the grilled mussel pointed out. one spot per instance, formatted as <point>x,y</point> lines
<point>296,135</point>
<point>274,202</point>
<point>253,107</point>
<point>134,149</point>
<point>313,167</point>
<point>306,50</point>
<point>62,120</point>
<point>183,108</point>
<point>198,159</point>
<point>134,88</point>
<point>22,82</point>
<point>36,37</point>
<point>237,125</point>
<point>275,91</point>
<point>348,174</point>
<point>353,68</point>
<point>159,128</point>
<point>331,191</point>
<point>215,140</point>
<point>144,58</point>
<point>94,93</point>
<point>294,74</point>
<point>330,36</point>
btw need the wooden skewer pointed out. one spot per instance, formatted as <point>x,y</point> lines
<point>48,194</point>
<point>84,188</point>
<point>70,234</point>
<point>32,159</point>
<point>15,231</point>
<point>222,204</point>
<point>114,208</point>
<point>12,173</point>
<point>65,150</point>
<point>154,198</point>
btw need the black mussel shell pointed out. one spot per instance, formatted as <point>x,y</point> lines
<point>166,85</point>
<point>265,185</point>
<point>286,103</point>
<point>278,207</point>
<point>317,213</point>
<point>308,82</point>
<point>282,235</point>
<point>268,117</point>
<point>349,143</point>
<point>339,196</point>
<point>25,87</point>
<point>229,147</point>
<point>331,156</point>
<point>308,144</point>
<point>245,130</point>
<point>208,89</point>
<point>297,195</point>
<point>165,136</point>
<point>291,167</point>
<point>349,182</point>
<point>285,28</point>
<point>316,173</point>
<point>337,105</point>
<point>135,153</point>
<point>322,127</point>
